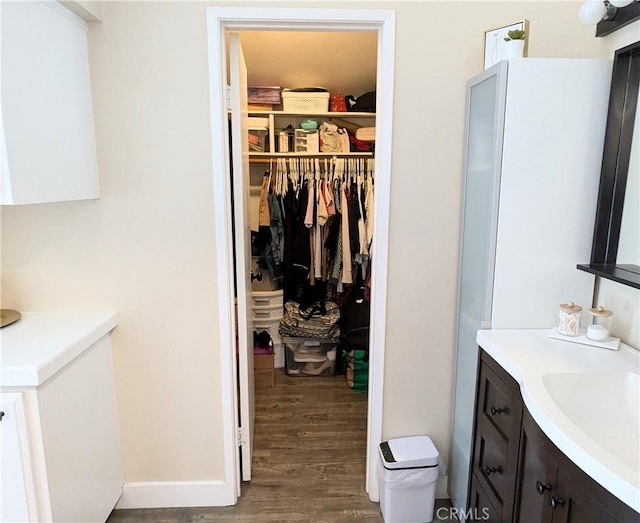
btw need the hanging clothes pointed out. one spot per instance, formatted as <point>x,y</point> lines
<point>320,224</point>
<point>347,276</point>
<point>264,218</point>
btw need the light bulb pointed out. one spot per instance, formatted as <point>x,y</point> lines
<point>621,3</point>
<point>591,12</point>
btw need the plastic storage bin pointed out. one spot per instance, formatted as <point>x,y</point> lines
<point>305,102</point>
<point>310,357</point>
<point>408,473</point>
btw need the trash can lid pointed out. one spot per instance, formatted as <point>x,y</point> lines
<point>411,452</point>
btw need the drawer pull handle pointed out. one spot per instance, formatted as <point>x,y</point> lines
<point>556,502</point>
<point>1,414</point>
<point>496,410</point>
<point>256,276</point>
<point>491,470</point>
<point>541,487</point>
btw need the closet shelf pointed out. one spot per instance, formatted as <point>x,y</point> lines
<point>342,114</point>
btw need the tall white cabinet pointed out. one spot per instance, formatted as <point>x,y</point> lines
<point>59,437</point>
<point>534,137</point>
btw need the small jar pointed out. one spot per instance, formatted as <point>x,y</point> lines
<point>570,315</point>
<point>601,324</point>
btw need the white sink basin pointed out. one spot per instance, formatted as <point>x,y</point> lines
<point>605,405</point>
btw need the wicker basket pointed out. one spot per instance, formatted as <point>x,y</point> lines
<point>300,102</point>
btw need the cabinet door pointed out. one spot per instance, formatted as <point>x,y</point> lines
<point>17,493</point>
<point>579,499</point>
<point>485,117</point>
<point>537,475</point>
<point>48,136</point>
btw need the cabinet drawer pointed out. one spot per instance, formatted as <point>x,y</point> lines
<point>491,465</point>
<point>480,504</point>
<point>498,404</point>
<point>267,298</point>
<point>267,313</point>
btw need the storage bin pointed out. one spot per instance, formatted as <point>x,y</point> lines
<point>303,102</point>
<point>258,140</point>
<point>267,299</point>
<point>271,312</point>
<point>408,473</point>
<point>307,141</point>
<point>263,94</point>
<point>310,357</point>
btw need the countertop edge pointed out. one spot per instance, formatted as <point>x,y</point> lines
<point>34,376</point>
<point>579,452</point>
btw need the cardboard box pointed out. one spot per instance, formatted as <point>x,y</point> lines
<point>264,379</point>
<point>263,360</point>
<point>263,373</point>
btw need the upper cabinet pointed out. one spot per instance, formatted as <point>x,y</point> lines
<point>47,131</point>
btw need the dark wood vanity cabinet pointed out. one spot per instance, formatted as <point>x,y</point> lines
<point>518,474</point>
<point>496,440</point>
<point>551,488</point>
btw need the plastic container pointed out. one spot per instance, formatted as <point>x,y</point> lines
<point>258,140</point>
<point>569,319</point>
<point>305,102</point>
<point>408,473</point>
<point>310,356</point>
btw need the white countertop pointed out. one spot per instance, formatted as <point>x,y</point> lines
<point>529,355</point>
<point>41,343</point>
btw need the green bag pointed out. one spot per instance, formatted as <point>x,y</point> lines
<point>357,369</point>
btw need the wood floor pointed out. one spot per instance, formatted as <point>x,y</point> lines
<point>309,460</point>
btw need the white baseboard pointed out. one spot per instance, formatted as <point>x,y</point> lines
<point>441,487</point>
<point>177,494</point>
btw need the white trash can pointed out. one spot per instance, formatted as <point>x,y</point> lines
<point>408,473</point>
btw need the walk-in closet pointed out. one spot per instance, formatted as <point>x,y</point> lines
<point>310,132</point>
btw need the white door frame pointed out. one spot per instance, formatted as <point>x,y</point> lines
<point>220,20</point>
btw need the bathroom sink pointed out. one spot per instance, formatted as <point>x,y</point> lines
<point>605,405</point>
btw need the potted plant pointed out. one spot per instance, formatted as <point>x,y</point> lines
<point>514,44</point>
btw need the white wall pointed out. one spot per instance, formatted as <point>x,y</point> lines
<point>146,249</point>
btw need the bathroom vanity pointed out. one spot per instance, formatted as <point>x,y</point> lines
<point>556,430</point>
<point>60,452</point>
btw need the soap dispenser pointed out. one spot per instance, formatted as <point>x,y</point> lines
<point>601,324</point>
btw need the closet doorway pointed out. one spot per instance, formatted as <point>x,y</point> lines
<point>222,21</point>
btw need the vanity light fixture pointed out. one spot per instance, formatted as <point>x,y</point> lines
<point>593,11</point>
<point>609,15</point>
<point>621,3</point>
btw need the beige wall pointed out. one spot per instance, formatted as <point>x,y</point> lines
<point>146,249</point>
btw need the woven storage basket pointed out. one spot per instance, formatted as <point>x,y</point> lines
<point>300,102</point>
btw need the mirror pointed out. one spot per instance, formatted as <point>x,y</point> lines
<point>614,253</point>
<point>629,241</point>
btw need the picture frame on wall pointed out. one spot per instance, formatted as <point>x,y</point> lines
<point>494,43</point>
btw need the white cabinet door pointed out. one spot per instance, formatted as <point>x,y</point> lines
<point>79,420</point>
<point>46,122</point>
<point>17,501</point>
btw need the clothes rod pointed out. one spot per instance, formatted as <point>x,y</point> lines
<point>268,158</point>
